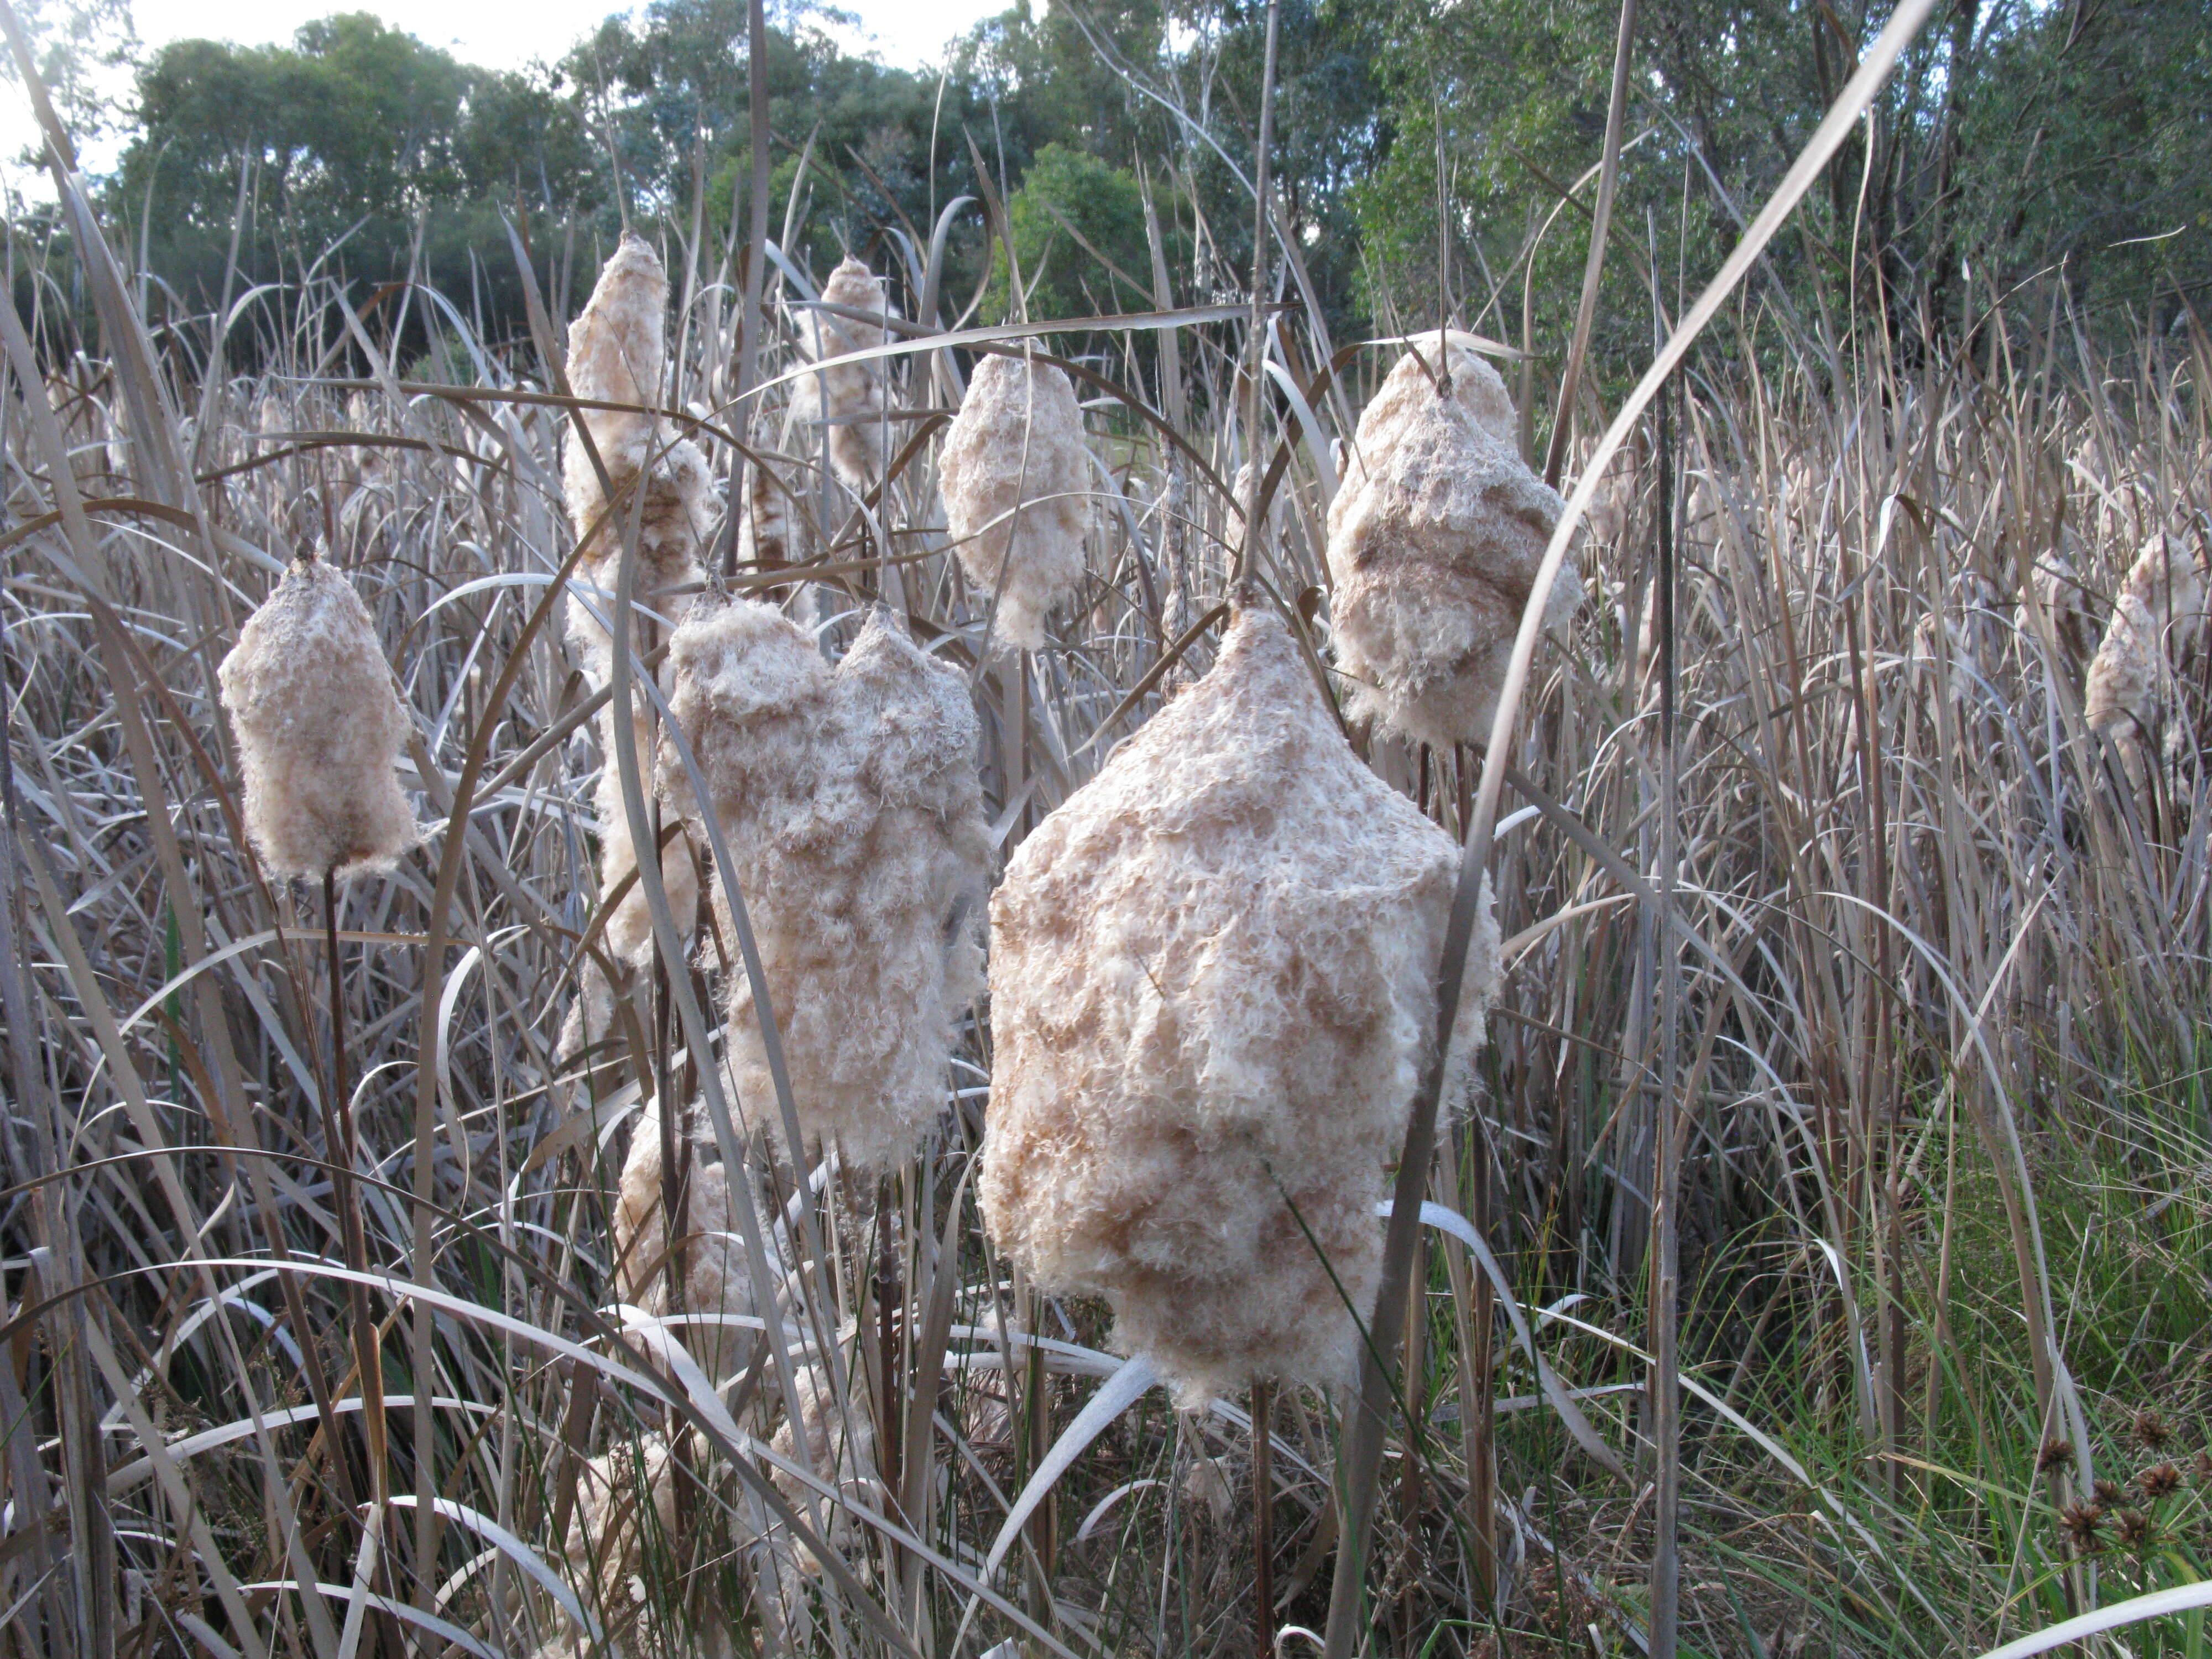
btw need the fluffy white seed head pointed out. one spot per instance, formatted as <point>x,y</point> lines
<point>764,530</point>
<point>615,346</point>
<point>2130,692</point>
<point>850,399</point>
<point>715,1279</point>
<point>2067,601</point>
<point>614,355</point>
<point>850,803</point>
<point>1213,991</point>
<point>1015,477</point>
<point>1434,539</point>
<point>320,726</point>
<point>628,932</point>
<point>841,1450</point>
<point>629,1547</point>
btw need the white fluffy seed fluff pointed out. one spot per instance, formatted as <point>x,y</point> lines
<point>625,1531</point>
<point>716,1281</point>
<point>1213,990</point>
<point>1015,477</point>
<point>614,355</point>
<point>846,402</point>
<point>2130,691</point>
<point>1434,539</point>
<point>841,1450</point>
<point>850,804</point>
<point>320,726</point>
<point>765,526</point>
<point>2068,603</point>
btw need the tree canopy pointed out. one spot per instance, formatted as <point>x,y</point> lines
<point>1432,156</point>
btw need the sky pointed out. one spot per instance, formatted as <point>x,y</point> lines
<point>494,34</point>
<point>508,33</point>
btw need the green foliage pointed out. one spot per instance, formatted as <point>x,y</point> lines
<point>1077,230</point>
<point>356,135</point>
<point>2011,137</point>
<point>2091,137</point>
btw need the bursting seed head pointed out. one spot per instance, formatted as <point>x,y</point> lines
<point>2203,1466</point>
<point>2108,1493</point>
<point>2056,1452</point>
<point>2151,1430</point>
<point>2134,1529</point>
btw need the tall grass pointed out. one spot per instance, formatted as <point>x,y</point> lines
<point>1942,1201</point>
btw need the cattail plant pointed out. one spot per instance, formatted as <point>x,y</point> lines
<point>709,1255</point>
<point>2130,695</point>
<point>630,472</point>
<point>2067,601</point>
<point>851,806</point>
<point>319,729</point>
<point>765,528</point>
<point>626,1522</point>
<point>1434,539</point>
<point>320,726</point>
<point>847,401</point>
<point>1014,475</point>
<point>1213,986</point>
<point>840,1448</point>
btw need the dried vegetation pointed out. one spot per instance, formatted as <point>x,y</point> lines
<point>1937,1003</point>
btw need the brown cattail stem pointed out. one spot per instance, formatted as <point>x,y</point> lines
<point>1665,1398</point>
<point>1263,1514</point>
<point>1262,162</point>
<point>889,1301</point>
<point>368,1354</point>
<point>1479,1408</point>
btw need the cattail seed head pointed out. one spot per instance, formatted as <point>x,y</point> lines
<point>616,347</point>
<point>615,356</point>
<point>320,727</point>
<point>848,400</point>
<point>1434,541</point>
<point>626,1525</point>
<point>2067,601</point>
<point>850,803</point>
<point>1015,477</point>
<point>1213,983</point>
<point>715,1279</point>
<point>841,1450</point>
<point>2129,692</point>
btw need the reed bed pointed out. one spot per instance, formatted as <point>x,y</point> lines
<point>1915,963</point>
